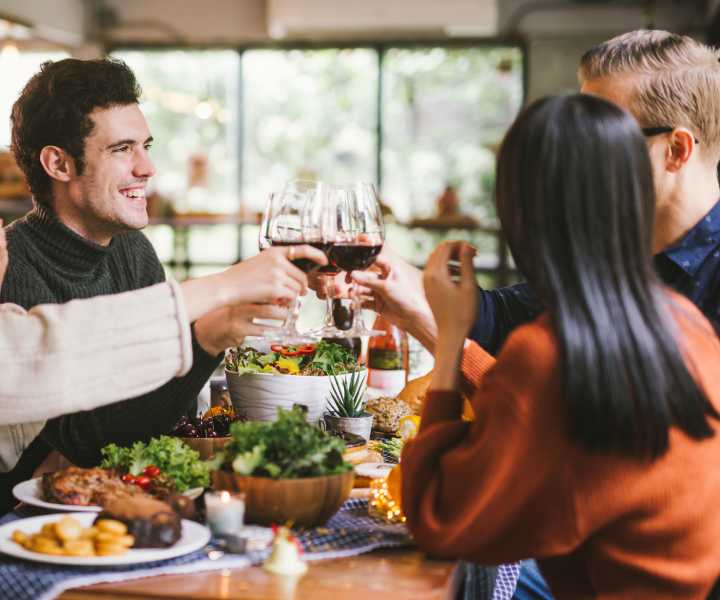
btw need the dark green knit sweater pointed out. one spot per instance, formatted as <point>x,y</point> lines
<point>49,263</point>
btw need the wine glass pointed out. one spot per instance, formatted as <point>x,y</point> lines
<point>328,220</point>
<point>359,237</point>
<point>296,218</point>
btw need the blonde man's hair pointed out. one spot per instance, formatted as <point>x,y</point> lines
<point>678,81</point>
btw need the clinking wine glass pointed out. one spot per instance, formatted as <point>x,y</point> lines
<point>296,218</point>
<point>328,218</point>
<point>359,238</point>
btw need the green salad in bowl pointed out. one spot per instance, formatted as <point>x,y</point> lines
<point>260,383</point>
<point>288,470</point>
<point>321,359</point>
<point>163,465</point>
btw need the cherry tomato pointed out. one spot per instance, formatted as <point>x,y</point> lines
<point>128,478</point>
<point>151,471</point>
<point>293,350</point>
<point>143,481</point>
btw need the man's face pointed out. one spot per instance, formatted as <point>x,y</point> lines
<point>109,196</point>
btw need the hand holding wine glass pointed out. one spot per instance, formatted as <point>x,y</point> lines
<point>294,219</point>
<point>359,239</point>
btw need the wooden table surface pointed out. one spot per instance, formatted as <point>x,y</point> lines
<point>398,574</point>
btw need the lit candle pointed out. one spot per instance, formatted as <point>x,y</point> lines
<point>225,512</point>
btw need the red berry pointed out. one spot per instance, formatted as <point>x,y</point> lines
<point>128,478</point>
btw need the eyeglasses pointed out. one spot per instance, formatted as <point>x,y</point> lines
<point>651,131</point>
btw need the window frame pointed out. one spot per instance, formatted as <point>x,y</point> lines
<point>503,271</point>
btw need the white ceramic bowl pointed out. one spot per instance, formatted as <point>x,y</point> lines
<point>259,395</point>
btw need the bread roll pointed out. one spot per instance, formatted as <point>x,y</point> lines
<point>415,392</point>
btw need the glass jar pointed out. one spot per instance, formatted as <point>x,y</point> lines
<point>219,393</point>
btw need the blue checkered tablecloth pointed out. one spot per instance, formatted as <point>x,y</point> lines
<point>350,532</point>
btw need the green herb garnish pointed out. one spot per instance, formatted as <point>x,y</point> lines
<point>289,448</point>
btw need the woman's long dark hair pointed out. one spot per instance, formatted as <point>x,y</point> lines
<point>575,198</point>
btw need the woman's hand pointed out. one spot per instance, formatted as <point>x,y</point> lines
<point>453,304</point>
<point>394,289</point>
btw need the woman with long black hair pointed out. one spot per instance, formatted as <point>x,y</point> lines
<point>595,445</point>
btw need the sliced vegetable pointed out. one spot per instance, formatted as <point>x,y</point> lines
<point>293,350</point>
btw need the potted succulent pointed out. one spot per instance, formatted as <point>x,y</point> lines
<point>346,406</point>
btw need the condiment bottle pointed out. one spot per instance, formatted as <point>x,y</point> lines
<point>388,358</point>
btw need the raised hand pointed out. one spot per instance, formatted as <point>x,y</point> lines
<point>452,303</point>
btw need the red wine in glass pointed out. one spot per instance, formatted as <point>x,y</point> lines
<point>304,264</point>
<point>330,268</point>
<point>353,256</point>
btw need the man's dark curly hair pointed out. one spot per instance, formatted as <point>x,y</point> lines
<point>54,110</point>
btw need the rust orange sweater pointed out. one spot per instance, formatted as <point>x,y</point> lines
<point>511,484</point>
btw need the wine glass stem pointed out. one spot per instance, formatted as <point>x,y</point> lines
<point>357,319</point>
<point>329,320</point>
<point>290,321</point>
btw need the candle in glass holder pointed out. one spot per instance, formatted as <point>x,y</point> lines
<point>225,512</point>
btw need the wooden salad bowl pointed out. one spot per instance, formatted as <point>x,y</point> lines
<point>207,447</point>
<point>306,502</point>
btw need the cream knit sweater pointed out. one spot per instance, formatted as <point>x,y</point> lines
<point>65,358</point>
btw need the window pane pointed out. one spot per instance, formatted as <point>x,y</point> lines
<point>444,112</point>
<point>16,69</point>
<point>308,113</point>
<point>191,101</point>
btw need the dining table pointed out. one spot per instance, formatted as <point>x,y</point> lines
<point>404,573</point>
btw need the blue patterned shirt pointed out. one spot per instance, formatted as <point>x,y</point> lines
<point>691,267</point>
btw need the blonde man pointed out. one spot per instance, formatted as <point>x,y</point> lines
<point>671,85</point>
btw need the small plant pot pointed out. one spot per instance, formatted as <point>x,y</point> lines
<point>361,426</point>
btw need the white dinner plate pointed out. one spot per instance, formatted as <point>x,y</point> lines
<point>30,492</point>
<point>194,537</point>
<point>374,470</point>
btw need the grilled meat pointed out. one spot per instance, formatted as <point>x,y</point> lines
<point>153,524</point>
<point>85,487</point>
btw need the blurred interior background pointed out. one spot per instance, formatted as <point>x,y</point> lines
<point>243,95</point>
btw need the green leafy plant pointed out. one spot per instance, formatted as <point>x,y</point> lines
<point>346,395</point>
<point>175,459</point>
<point>289,448</point>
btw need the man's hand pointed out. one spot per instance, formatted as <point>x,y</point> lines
<point>268,278</point>
<point>230,325</point>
